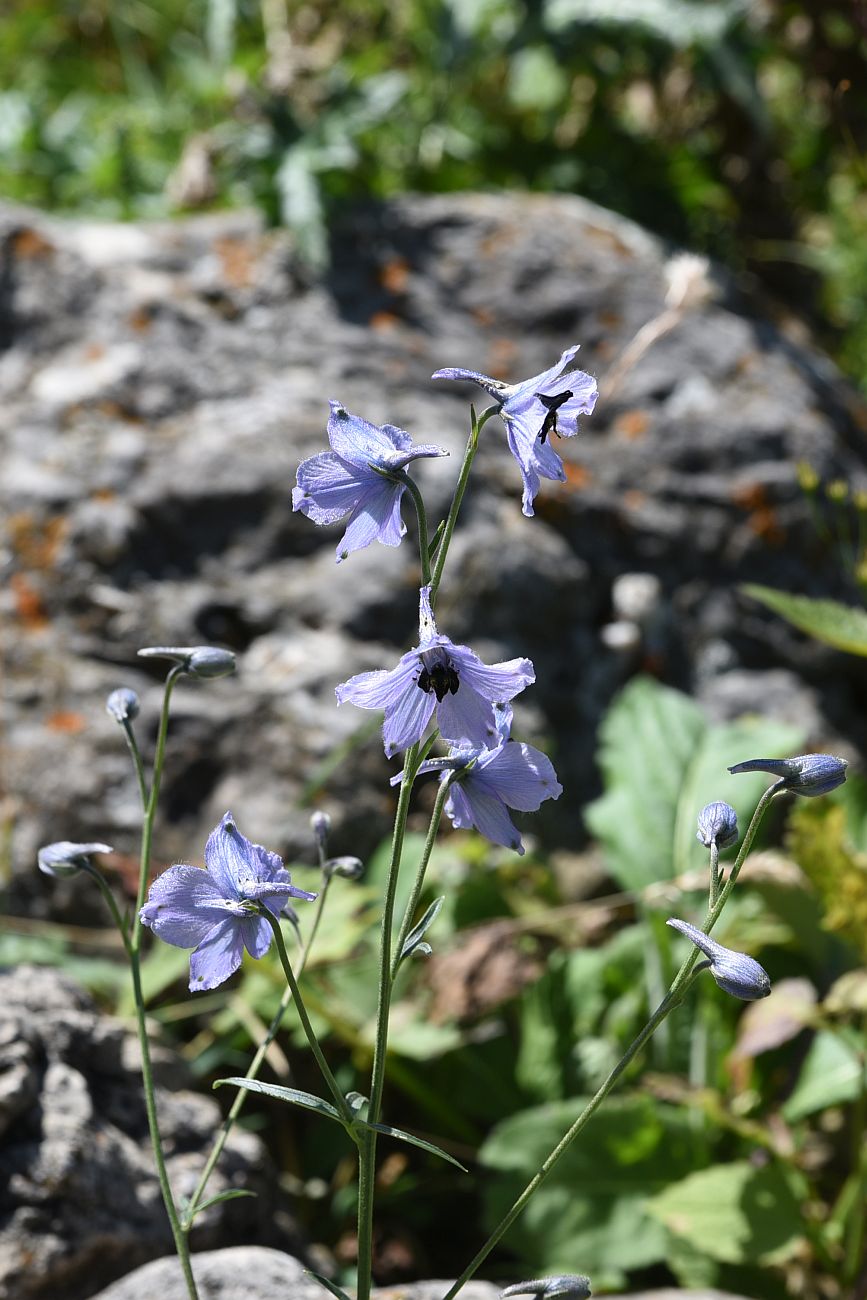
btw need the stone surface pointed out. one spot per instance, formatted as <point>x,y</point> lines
<point>79,1197</point>
<point>159,386</point>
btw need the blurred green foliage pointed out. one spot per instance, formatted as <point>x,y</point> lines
<point>732,127</point>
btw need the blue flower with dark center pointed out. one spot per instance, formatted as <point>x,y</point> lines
<point>495,777</point>
<point>437,676</point>
<point>807,774</point>
<point>534,409</point>
<point>215,911</point>
<point>353,479</point>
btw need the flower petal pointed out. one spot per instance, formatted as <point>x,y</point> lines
<point>234,861</point>
<point>376,518</point>
<point>519,774</point>
<point>381,688</point>
<point>183,906</point>
<point>405,721</point>
<point>360,443</point>
<point>467,806</point>
<point>494,682</point>
<point>257,934</point>
<point>218,955</point>
<point>328,488</point>
<point>466,716</point>
<point>539,383</point>
<point>494,387</point>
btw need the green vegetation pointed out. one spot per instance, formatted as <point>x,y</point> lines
<point>727,126</point>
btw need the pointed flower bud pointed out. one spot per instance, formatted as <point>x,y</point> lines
<point>717,824</point>
<point>735,972</point>
<point>320,824</point>
<point>122,704</point>
<point>568,1286</point>
<point>348,867</point>
<point>66,858</point>
<point>807,774</point>
<point>197,660</point>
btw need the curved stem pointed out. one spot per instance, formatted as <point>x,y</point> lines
<point>418,883</point>
<point>672,999</point>
<point>423,544</point>
<point>137,762</point>
<point>476,426</point>
<point>105,890</point>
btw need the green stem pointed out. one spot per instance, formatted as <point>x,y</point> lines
<point>713,894</point>
<point>137,762</point>
<point>330,1081</point>
<point>367,1143</point>
<point>476,426</point>
<point>418,883</point>
<point>423,544</point>
<point>104,889</point>
<point>252,1072</point>
<point>672,999</point>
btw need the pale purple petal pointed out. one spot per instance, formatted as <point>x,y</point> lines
<point>518,774</point>
<point>427,628</point>
<point>420,451</point>
<point>381,688</point>
<point>257,934</point>
<point>327,488</point>
<point>466,716</point>
<point>494,387</point>
<point>376,518</point>
<point>234,861</point>
<point>218,956</point>
<point>359,442</point>
<point>406,719</point>
<point>494,682</point>
<point>183,906</point>
<point>540,383</point>
<point>469,806</point>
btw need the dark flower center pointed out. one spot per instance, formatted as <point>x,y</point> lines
<point>438,673</point>
<point>552,405</point>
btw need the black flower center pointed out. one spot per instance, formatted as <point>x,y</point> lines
<point>552,405</point>
<point>438,673</point>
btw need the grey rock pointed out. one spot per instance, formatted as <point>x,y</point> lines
<point>79,1197</point>
<point>160,385</point>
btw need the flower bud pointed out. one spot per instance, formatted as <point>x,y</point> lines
<point>123,704</point>
<point>807,774</point>
<point>568,1286</point>
<point>66,858</point>
<point>320,824</point>
<point>717,824</point>
<point>348,867</point>
<point>197,660</point>
<point>734,972</point>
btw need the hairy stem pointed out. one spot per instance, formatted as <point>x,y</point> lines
<point>476,426</point>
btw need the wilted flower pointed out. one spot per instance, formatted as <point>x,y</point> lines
<point>532,410</point>
<point>501,775</point>
<point>123,704</point>
<point>717,824</point>
<point>566,1286</point>
<point>735,972</point>
<point>353,479</point>
<point>197,660</point>
<point>437,675</point>
<point>215,911</point>
<point>807,774</point>
<point>66,858</point>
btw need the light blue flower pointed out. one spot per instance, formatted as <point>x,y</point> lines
<point>214,911</point>
<point>533,410</point>
<point>353,479</point>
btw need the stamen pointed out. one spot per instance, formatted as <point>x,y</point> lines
<point>552,404</point>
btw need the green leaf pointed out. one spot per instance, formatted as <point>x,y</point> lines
<point>420,929</point>
<point>230,1194</point>
<point>831,1074</point>
<point>842,626</point>
<point>734,1213</point>
<point>294,1095</point>
<point>402,1136</point>
<point>592,1205</point>
<point>328,1284</point>
<point>661,763</point>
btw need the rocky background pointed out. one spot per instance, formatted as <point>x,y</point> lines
<point>159,386</point>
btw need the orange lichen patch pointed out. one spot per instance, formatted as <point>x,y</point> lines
<point>28,603</point>
<point>483,316</point>
<point>237,259</point>
<point>66,721</point>
<point>103,494</point>
<point>578,477</point>
<point>764,524</point>
<point>394,275</point>
<point>750,496</point>
<point>383,321</point>
<point>141,319</point>
<point>610,320</point>
<point>28,242</point>
<point>94,352</point>
<point>634,500</point>
<point>502,355</point>
<point>632,424</point>
<point>35,544</point>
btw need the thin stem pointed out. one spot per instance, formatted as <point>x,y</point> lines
<point>330,1081</point>
<point>137,762</point>
<point>423,544</point>
<point>418,883</point>
<point>105,890</point>
<point>151,807</point>
<point>713,894</point>
<point>672,999</point>
<point>367,1143</point>
<point>478,423</point>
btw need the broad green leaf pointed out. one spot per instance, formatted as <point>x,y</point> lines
<point>662,762</point>
<point>842,626</point>
<point>403,1136</point>
<point>298,1098</point>
<point>831,1074</point>
<point>735,1213</point>
<point>420,929</point>
<point>328,1284</point>
<point>230,1194</point>
<point>591,1207</point>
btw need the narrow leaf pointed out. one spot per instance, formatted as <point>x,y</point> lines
<point>842,626</point>
<point>418,931</point>
<point>433,545</point>
<point>295,1095</point>
<point>230,1194</point>
<point>329,1285</point>
<point>413,1140</point>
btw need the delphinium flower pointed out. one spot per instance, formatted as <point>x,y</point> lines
<point>437,675</point>
<point>68,857</point>
<point>735,972</point>
<point>353,479</point>
<point>807,774</point>
<point>215,911</point>
<point>196,660</point>
<point>495,777</point>
<point>717,825</point>
<point>533,410</point>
